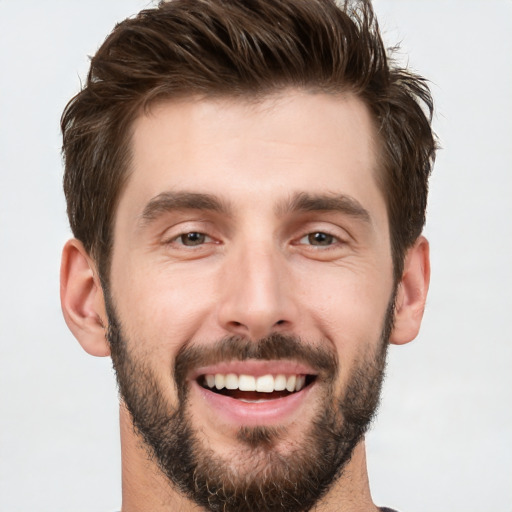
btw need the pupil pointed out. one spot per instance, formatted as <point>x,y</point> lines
<point>193,239</point>
<point>320,239</point>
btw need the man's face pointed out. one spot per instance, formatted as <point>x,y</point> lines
<point>252,252</point>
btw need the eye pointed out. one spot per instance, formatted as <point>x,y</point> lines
<point>192,239</point>
<point>318,239</point>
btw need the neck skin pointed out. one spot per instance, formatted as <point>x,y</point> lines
<point>146,489</point>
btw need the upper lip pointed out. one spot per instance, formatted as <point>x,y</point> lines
<point>255,368</point>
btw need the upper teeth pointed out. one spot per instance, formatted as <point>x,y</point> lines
<point>263,384</point>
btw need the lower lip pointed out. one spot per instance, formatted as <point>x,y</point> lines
<point>269,412</point>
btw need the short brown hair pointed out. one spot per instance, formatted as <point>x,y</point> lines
<point>249,48</point>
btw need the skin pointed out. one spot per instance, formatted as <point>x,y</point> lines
<point>257,271</point>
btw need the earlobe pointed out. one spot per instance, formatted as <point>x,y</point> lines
<point>412,293</point>
<point>82,299</point>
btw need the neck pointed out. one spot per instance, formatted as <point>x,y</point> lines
<point>351,492</point>
<point>147,489</point>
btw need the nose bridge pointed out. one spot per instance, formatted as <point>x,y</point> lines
<point>255,298</point>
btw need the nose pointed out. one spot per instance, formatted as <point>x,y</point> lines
<point>256,297</point>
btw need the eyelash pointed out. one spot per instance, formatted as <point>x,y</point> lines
<point>331,240</point>
<point>180,239</point>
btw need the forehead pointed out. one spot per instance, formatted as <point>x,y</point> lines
<point>241,150</point>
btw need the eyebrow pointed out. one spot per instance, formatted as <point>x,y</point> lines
<point>305,202</point>
<point>170,201</point>
<point>300,202</point>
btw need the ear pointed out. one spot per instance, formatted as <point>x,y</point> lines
<point>82,301</point>
<point>411,293</point>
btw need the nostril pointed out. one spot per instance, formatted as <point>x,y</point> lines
<point>280,322</point>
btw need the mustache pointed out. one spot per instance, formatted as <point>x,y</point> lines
<point>273,347</point>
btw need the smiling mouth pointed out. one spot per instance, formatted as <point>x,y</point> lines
<point>252,389</point>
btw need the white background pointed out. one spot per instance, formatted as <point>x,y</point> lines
<point>443,440</point>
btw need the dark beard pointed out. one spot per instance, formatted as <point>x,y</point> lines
<point>275,482</point>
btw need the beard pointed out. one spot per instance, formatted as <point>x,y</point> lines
<point>255,476</point>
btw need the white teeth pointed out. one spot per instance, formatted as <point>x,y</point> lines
<point>290,383</point>
<point>299,384</point>
<point>231,381</point>
<point>246,383</point>
<point>220,381</point>
<point>280,383</point>
<point>263,384</point>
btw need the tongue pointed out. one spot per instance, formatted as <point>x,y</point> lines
<point>253,395</point>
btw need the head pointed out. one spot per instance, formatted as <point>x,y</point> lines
<point>247,198</point>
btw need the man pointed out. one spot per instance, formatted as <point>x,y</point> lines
<point>247,184</point>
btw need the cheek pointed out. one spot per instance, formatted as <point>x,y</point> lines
<point>347,295</point>
<point>161,308</point>
<point>347,307</point>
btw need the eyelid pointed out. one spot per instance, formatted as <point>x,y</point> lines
<point>171,234</point>
<point>339,233</point>
<point>177,238</point>
<point>336,242</point>
<point>323,232</point>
